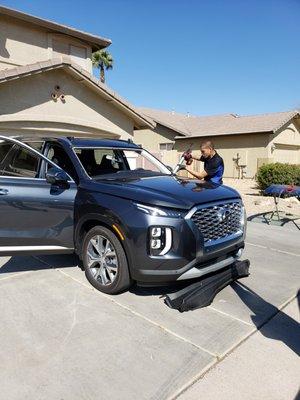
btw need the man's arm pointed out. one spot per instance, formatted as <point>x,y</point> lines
<point>197,158</point>
<point>199,175</point>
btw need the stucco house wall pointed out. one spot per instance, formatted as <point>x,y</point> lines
<point>151,139</point>
<point>22,43</point>
<point>26,106</point>
<point>284,146</point>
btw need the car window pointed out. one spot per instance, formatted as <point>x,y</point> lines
<point>23,164</point>
<point>136,160</point>
<point>5,147</point>
<point>101,161</point>
<point>58,155</point>
<point>38,145</point>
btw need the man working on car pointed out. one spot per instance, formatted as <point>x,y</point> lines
<point>213,164</point>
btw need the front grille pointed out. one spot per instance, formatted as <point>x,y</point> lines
<point>219,221</point>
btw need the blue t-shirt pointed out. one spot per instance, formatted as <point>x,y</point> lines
<point>214,167</point>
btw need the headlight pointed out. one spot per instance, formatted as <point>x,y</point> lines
<point>158,212</point>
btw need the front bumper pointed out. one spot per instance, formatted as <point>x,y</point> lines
<point>188,258</point>
<point>196,268</point>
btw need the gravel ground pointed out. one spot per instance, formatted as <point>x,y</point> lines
<point>255,203</point>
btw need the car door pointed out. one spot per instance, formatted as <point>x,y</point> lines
<point>35,216</point>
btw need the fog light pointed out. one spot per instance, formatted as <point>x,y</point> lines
<point>156,232</point>
<point>160,240</point>
<point>155,244</point>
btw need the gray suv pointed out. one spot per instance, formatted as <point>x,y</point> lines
<point>122,211</point>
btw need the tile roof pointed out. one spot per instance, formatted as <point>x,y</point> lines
<point>226,124</point>
<point>95,41</point>
<point>66,63</point>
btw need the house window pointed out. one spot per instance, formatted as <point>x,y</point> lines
<point>166,146</point>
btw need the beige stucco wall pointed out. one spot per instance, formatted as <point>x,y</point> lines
<point>26,107</point>
<point>21,44</point>
<point>151,139</point>
<point>284,146</point>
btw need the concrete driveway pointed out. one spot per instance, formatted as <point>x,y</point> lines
<point>63,340</point>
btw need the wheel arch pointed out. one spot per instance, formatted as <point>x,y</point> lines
<point>90,221</point>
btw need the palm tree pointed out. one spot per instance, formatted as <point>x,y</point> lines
<point>103,60</point>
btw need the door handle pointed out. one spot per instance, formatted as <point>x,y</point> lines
<point>3,192</point>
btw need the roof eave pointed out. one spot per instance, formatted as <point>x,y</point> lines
<point>142,122</point>
<point>295,114</point>
<point>96,42</point>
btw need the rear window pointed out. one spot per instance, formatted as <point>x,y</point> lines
<point>24,164</point>
<point>5,146</point>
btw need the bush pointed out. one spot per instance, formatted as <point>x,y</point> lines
<point>282,174</point>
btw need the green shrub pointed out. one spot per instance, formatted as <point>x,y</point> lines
<point>282,174</point>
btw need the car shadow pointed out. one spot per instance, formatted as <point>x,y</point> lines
<point>35,263</point>
<point>286,328</point>
<point>265,218</point>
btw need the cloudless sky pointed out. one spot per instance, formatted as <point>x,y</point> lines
<point>198,56</point>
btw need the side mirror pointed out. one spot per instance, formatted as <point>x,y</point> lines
<point>56,176</point>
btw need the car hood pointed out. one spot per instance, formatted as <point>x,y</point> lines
<point>165,191</point>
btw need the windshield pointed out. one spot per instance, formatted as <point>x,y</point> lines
<point>109,163</point>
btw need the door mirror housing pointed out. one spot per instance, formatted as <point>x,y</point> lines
<point>57,176</point>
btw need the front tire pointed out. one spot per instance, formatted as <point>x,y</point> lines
<point>105,261</point>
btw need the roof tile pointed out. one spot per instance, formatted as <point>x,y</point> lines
<point>191,125</point>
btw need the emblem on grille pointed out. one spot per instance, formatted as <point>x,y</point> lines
<point>223,214</point>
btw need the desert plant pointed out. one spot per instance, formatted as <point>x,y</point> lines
<point>278,173</point>
<point>102,60</point>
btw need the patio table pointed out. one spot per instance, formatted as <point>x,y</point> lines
<point>281,191</point>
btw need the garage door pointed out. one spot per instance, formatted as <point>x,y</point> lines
<point>287,154</point>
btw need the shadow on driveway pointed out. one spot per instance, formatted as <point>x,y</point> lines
<point>264,218</point>
<point>27,263</point>
<point>283,328</point>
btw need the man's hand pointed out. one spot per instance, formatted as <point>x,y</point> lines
<point>188,157</point>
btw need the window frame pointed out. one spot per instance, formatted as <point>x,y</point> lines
<point>166,144</point>
<point>17,150</point>
<point>7,154</point>
<point>42,161</point>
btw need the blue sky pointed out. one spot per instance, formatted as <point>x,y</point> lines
<point>198,56</point>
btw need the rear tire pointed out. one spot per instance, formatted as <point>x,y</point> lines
<point>105,261</point>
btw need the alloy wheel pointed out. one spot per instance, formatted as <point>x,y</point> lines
<point>102,260</point>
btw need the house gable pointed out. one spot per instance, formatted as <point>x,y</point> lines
<point>27,107</point>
